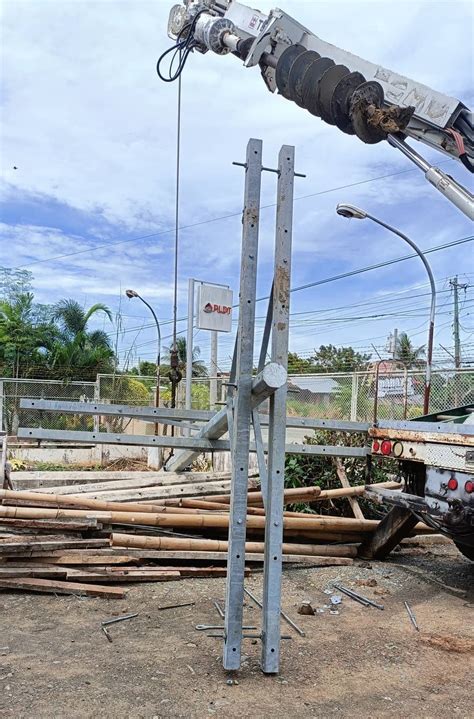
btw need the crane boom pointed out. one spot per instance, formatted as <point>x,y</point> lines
<point>358,97</point>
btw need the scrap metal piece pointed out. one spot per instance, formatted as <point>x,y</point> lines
<point>283,614</point>
<point>336,599</point>
<point>124,618</point>
<point>175,606</point>
<point>358,597</point>
<point>220,611</point>
<point>206,627</point>
<point>412,616</point>
<point>104,629</point>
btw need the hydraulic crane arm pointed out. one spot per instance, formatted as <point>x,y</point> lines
<point>357,96</point>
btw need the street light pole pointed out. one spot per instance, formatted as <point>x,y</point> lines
<point>350,212</point>
<point>130,294</point>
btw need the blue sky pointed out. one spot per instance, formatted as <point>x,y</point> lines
<point>92,132</point>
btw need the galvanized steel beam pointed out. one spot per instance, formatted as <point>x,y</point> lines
<point>280,298</point>
<point>196,444</point>
<point>265,383</point>
<point>242,404</point>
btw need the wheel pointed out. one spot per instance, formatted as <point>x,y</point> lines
<point>466,549</point>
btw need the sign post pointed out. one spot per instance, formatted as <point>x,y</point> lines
<point>189,345</point>
<point>214,313</point>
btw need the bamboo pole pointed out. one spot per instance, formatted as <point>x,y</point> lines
<point>217,545</point>
<point>298,494</point>
<point>36,499</point>
<point>353,491</point>
<point>317,522</point>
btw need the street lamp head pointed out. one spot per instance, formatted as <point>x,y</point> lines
<point>350,211</point>
<point>131,293</point>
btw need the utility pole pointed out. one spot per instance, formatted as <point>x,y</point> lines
<point>457,342</point>
<point>213,371</point>
<point>394,343</point>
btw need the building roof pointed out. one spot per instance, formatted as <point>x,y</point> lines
<point>317,385</point>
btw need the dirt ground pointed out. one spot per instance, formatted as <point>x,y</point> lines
<point>362,662</point>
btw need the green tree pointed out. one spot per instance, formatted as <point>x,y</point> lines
<point>25,336</point>
<point>199,368</point>
<point>299,365</point>
<point>329,358</point>
<point>407,353</point>
<point>77,352</point>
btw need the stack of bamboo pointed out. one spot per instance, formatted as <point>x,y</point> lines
<point>83,538</point>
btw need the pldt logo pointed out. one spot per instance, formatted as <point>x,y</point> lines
<point>220,309</point>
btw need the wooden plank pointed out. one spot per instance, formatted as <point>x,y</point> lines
<point>395,526</point>
<point>68,525</point>
<point>45,572</point>
<point>146,479</point>
<point>39,545</point>
<point>87,559</point>
<point>168,575</point>
<point>342,476</point>
<point>51,586</point>
<point>107,556</point>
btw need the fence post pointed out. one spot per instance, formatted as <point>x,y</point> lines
<point>354,397</point>
<point>1,406</point>
<point>98,448</point>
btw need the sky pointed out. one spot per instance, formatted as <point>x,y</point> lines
<point>90,207</point>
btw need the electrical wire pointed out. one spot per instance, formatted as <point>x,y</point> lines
<point>192,225</point>
<point>181,49</point>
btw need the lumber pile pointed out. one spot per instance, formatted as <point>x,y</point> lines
<point>98,537</point>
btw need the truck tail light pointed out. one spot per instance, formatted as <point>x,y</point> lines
<point>376,446</point>
<point>397,449</point>
<point>452,484</point>
<point>469,487</point>
<point>386,447</point>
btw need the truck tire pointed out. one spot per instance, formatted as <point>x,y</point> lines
<point>466,549</point>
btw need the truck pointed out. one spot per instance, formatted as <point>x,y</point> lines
<point>437,466</point>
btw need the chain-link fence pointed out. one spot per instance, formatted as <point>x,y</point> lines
<point>12,417</point>
<point>362,396</point>
<point>348,396</point>
<point>393,394</point>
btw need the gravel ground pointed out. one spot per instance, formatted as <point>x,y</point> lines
<point>362,662</point>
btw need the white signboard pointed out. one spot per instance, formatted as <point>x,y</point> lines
<point>214,308</point>
<point>395,387</point>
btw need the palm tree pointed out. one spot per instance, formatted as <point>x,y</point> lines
<point>199,368</point>
<point>78,353</point>
<point>406,352</point>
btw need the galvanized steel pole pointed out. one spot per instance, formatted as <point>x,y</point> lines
<point>271,609</point>
<point>240,438</point>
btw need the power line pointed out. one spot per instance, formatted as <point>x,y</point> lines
<point>208,221</point>
<point>361,270</point>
